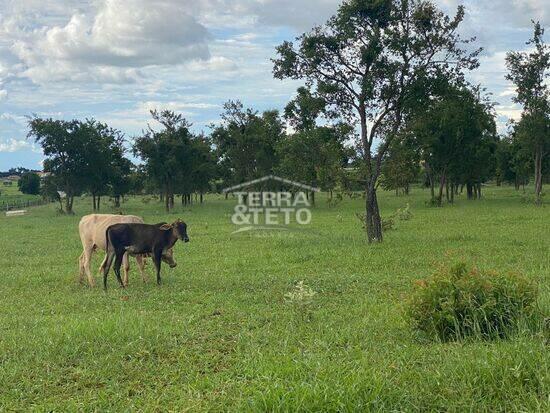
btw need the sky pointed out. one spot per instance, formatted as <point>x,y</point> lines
<point>115,60</point>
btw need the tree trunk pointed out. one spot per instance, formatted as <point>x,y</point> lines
<point>167,202</point>
<point>93,202</point>
<point>69,204</point>
<point>447,191</point>
<point>201,197</point>
<point>452,200</point>
<point>117,201</point>
<point>538,175</point>
<point>313,198</point>
<point>442,181</point>
<point>372,216</point>
<point>479,190</point>
<point>98,201</point>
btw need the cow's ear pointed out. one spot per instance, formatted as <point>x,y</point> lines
<point>165,227</point>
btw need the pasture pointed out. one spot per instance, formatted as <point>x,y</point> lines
<point>219,335</point>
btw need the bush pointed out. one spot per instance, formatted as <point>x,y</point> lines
<point>404,214</point>
<point>29,183</point>
<point>459,302</point>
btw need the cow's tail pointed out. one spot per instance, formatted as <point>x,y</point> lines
<point>107,248</point>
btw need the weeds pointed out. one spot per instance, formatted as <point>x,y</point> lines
<point>460,302</point>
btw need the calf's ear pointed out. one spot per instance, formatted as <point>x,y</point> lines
<point>165,227</point>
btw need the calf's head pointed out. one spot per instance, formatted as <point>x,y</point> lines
<point>168,258</point>
<point>179,229</point>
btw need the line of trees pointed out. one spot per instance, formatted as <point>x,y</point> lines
<point>385,103</point>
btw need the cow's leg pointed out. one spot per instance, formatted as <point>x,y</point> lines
<point>126,268</point>
<point>140,259</point>
<point>118,263</point>
<point>85,260</point>
<point>106,266</point>
<point>81,271</point>
<point>157,256</point>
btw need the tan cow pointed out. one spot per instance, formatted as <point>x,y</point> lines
<point>92,230</point>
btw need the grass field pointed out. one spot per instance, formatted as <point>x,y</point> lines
<point>218,335</point>
<point>11,195</point>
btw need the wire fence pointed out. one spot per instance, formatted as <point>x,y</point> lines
<point>20,204</point>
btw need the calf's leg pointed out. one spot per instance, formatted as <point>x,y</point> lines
<point>157,256</point>
<point>106,266</point>
<point>140,259</point>
<point>126,268</point>
<point>118,263</point>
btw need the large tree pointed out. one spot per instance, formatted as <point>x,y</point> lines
<point>246,143</point>
<point>64,144</point>
<point>366,63</point>
<point>106,167</point>
<point>457,135</point>
<point>29,183</point>
<point>167,153</point>
<point>529,71</point>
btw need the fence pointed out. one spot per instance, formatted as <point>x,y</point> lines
<point>9,205</point>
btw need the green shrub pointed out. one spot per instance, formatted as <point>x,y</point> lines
<point>404,214</point>
<point>459,302</point>
<point>388,223</point>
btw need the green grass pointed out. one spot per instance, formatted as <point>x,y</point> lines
<point>219,335</point>
<point>11,195</point>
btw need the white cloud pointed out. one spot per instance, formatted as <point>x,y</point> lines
<point>14,145</point>
<point>110,45</point>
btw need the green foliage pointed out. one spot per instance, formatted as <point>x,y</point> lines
<point>315,157</point>
<point>302,112</point>
<point>176,160</point>
<point>401,165</point>
<point>82,156</point>
<point>529,71</point>
<point>457,137</point>
<point>29,183</point>
<point>459,302</point>
<point>369,64</point>
<point>404,214</point>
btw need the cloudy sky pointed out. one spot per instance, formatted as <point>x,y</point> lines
<point>117,59</point>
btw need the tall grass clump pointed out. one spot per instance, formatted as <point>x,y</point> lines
<point>459,302</point>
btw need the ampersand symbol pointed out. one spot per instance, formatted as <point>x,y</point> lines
<point>240,217</point>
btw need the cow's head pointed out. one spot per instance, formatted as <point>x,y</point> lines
<point>179,229</point>
<point>168,258</point>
